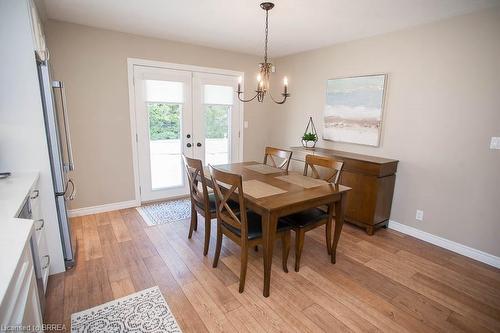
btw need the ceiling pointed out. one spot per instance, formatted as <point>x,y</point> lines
<point>238,25</point>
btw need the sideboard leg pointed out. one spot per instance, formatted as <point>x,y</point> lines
<point>370,230</point>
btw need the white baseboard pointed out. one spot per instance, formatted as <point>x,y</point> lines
<point>103,208</point>
<point>447,244</point>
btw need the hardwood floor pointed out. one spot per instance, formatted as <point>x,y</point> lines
<point>386,282</point>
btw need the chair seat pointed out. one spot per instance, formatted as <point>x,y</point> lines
<point>254,222</point>
<point>305,218</point>
<point>211,202</point>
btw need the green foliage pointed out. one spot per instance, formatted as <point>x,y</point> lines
<point>310,137</point>
<point>164,121</point>
<point>216,121</point>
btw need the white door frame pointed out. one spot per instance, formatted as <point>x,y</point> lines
<point>131,62</point>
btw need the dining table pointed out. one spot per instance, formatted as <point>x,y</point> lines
<point>274,193</point>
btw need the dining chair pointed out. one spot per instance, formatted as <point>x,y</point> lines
<point>243,227</point>
<point>202,201</point>
<point>328,169</point>
<point>271,153</point>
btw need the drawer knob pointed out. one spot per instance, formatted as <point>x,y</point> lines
<point>35,194</point>
<point>39,224</point>
<point>47,264</point>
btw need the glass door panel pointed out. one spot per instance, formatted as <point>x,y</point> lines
<point>218,101</point>
<point>164,118</point>
<point>165,145</point>
<point>217,134</point>
<point>218,125</point>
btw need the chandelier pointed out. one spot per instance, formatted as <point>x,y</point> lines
<point>265,70</point>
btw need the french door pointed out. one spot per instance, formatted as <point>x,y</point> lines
<point>182,112</point>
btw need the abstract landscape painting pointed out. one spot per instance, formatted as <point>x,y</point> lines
<point>353,111</point>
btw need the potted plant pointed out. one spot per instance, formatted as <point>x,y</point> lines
<point>310,136</point>
<point>309,140</point>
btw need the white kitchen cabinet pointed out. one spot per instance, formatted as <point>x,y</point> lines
<point>41,255</point>
<point>37,31</point>
<point>24,255</point>
<point>20,304</point>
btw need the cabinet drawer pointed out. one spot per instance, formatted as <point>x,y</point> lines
<point>44,260</point>
<point>35,202</point>
<point>36,212</point>
<point>12,309</point>
<point>39,226</point>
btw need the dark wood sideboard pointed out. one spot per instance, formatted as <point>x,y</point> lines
<point>372,181</point>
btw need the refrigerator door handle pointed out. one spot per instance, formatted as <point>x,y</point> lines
<point>60,85</point>
<point>73,191</point>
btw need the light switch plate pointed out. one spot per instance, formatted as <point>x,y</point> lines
<point>420,215</point>
<point>245,124</point>
<point>495,142</point>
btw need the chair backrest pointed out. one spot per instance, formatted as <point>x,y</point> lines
<point>331,168</point>
<point>229,186</point>
<point>271,153</point>
<point>196,177</point>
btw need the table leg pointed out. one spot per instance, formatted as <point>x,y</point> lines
<point>269,223</point>
<point>339,223</point>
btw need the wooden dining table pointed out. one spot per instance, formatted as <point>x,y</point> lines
<point>292,199</point>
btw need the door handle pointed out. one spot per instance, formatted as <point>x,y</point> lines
<point>188,145</point>
<point>198,144</point>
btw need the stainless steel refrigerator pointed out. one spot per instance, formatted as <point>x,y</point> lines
<point>60,152</point>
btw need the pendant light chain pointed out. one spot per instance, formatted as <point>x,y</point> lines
<point>267,31</point>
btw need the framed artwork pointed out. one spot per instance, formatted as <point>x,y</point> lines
<point>354,108</point>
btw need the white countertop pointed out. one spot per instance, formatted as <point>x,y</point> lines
<point>14,235</point>
<point>14,232</point>
<point>13,191</point>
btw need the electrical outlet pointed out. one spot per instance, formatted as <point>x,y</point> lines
<point>420,215</point>
<point>495,142</point>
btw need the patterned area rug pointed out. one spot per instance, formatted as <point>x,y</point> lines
<point>166,212</point>
<point>144,311</point>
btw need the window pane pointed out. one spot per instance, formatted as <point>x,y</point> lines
<point>165,145</point>
<point>218,95</point>
<point>164,91</point>
<point>217,134</point>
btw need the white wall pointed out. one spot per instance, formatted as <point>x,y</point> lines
<point>443,105</point>
<point>23,144</point>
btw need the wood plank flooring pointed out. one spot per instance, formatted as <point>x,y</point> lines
<point>386,282</point>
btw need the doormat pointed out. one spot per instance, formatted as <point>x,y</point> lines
<point>166,212</point>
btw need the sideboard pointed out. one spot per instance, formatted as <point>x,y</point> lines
<point>371,178</point>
